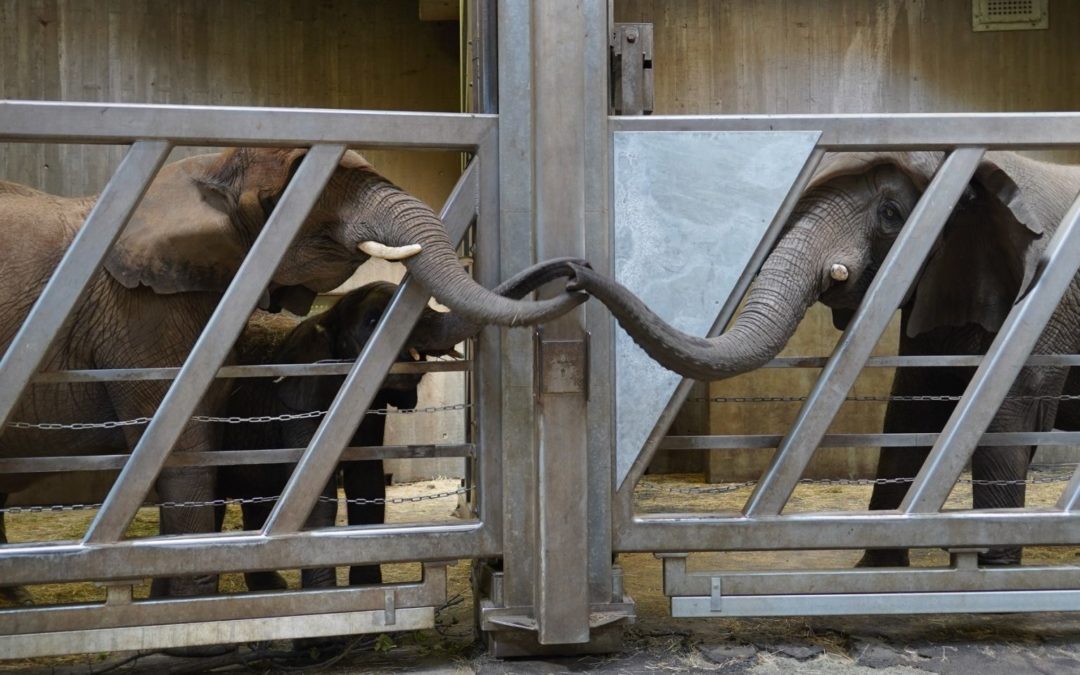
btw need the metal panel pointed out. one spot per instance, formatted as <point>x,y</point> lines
<point>892,281</point>
<point>214,344</point>
<point>675,232</point>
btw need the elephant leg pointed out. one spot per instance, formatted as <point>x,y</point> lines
<point>15,595</point>
<point>178,485</point>
<point>905,462</point>
<point>323,515</point>
<point>364,480</point>
<point>255,516</point>
<point>1010,463</point>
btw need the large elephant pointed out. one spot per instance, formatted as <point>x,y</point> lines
<point>165,274</point>
<point>339,333</point>
<point>838,236</point>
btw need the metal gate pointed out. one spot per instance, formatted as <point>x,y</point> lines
<point>104,555</point>
<point>550,502</point>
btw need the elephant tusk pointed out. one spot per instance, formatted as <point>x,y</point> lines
<point>838,272</point>
<point>414,354</point>
<point>377,250</point>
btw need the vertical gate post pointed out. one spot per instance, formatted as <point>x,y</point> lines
<point>553,145</point>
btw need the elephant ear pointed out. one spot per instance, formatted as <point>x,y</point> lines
<point>309,342</point>
<point>198,219</point>
<point>985,260</point>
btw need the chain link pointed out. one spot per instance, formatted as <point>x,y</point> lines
<point>258,419</point>
<point>734,487</point>
<point>363,501</point>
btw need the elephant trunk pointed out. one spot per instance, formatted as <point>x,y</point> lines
<point>437,267</point>
<point>789,283</point>
<point>440,331</point>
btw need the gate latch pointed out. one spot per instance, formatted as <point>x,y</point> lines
<point>630,50</point>
<point>563,365</point>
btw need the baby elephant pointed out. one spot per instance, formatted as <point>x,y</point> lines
<point>338,333</point>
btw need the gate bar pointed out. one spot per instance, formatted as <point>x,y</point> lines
<point>81,261</point>
<point>364,380</point>
<point>998,371</point>
<point>886,292</point>
<point>131,487</point>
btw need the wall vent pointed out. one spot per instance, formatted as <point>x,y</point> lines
<point>1009,15</point>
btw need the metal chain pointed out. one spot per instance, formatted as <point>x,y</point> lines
<point>872,399</point>
<point>258,419</point>
<point>733,487</point>
<point>57,508</point>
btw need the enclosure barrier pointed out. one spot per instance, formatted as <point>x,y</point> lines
<point>103,556</point>
<point>920,521</point>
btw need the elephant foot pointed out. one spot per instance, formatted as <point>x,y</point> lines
<point>265,581</point>
<point>1001,557</point>
<point>16,595</point>
<point>884,557</point>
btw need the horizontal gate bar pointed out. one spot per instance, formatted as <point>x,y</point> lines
<point>878,603</point>
<point>884,295</point>
<point>884,580</point>
<point>148,638</point>
<point>679,533</point>
<point>213,345</point>
<point>48,563</point>
<point>226,607</point>
<point>995,376</point>
<point>1067,438</point>
<point>941,361</point>
<point>916,131</point>
<point>221,125</point>
<point>80,262</point>
<point>231,458</point>
<point>364,379</point>
<point>267,370</point>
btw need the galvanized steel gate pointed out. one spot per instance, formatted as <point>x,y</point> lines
<point>547,503</point>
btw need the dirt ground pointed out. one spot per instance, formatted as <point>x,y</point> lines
<point>656,642</point>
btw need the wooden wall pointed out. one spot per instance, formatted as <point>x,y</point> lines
<point>369,54</point>
<point>843,56</point>
<point>374,54</point>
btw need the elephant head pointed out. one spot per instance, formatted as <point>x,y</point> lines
<point>201,215</point>
<point>837,237</point>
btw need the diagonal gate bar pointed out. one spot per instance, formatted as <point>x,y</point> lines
<point>997,372</point>
<point>79,264</point>
<point>886,292</point>
<point>363,382</point>
<point>209,352</point>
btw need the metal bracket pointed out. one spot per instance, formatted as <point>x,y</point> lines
<point>965,558</point>
<point>631,52</point>
<point>562,365</point>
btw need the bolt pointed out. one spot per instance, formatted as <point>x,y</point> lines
<point>631,36</point>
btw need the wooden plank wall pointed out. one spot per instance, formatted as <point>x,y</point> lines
<point>371,54</point>
<point>374,54</point>
<point>842,56</point>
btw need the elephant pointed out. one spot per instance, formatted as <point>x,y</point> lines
<point>837,237</point>
<point>339,333</point>
<point>164,276</point>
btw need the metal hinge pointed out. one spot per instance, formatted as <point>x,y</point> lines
<point>631,53</point>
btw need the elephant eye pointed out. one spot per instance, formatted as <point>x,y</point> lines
<point>890,214</point>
